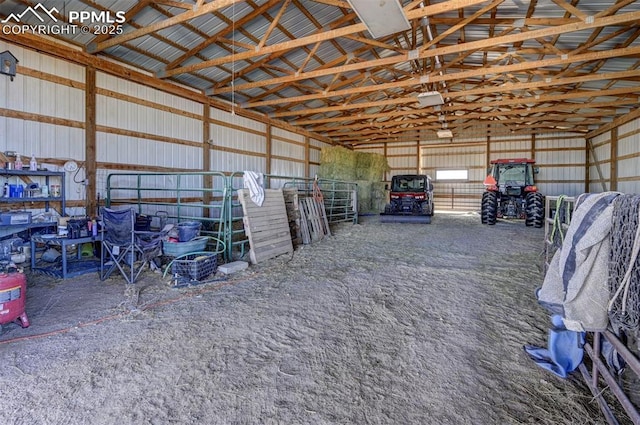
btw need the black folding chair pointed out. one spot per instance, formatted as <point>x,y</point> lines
<point>124,248</point>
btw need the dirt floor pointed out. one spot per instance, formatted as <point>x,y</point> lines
<point>378,324</point>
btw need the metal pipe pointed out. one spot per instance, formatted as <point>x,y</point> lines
<point>622,349</point>
<point>604,407</point>
<point>613,385</point>
<point>596,349</point>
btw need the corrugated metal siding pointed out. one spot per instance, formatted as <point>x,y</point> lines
<point>603,153</point>
<point>561,162</point>
<point>374,149</point>
<point>629,157</point>
<point>402,159</point>
<point>47,100</point>
<point>278,132</point>
<point>509,148</point>
<point>290,150</point>
<point>286,144</point>
<point>123,114</point>
<point>287,168</point>
<point>237,139</point>
<point>230,162</point>
<point>456,195</point>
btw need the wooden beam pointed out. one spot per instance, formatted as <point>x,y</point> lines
<point>90,132</point>
<point>273,25</point>
<point>613,160</point>
<point>523,100</point>
<point>454,49</point>
<point>548,82</point>
<point>268,149</point>
<point>64,52</point>
<point>206,153</point>
<point>571,9</point>
<point>148,29</point>
<point>219,36</point>
<point>307,156</point>
<point>592,150</point>
<point>587,165</point>
<point>315,38</point>
<point>634,114</point>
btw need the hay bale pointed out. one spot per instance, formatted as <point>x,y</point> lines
<point>364,168</point>
<point>371,166</point>
<point>378,197</point>
<point>364,196</point>
<point>337,163</point>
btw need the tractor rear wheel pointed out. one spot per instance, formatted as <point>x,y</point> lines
<point>489,210</point>
<point>534,209</point>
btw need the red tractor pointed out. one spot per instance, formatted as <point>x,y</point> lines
<point>510,192</point>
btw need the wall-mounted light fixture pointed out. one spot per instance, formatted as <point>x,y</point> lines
<point>430,98</point>
<point>8,64</point>
<point>445,134</point>
<point>381,17</point>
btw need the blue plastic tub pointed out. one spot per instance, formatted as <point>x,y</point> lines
<point>188,230</point>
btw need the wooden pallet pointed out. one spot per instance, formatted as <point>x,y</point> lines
<point>313,220</point>
<point>267,226</point>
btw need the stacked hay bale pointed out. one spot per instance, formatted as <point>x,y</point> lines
<point>364,168</point>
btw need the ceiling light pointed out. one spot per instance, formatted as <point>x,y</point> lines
<point>445,134</point>
<point>430,98</point>
<point>381,17</point>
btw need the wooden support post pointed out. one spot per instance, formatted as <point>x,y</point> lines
<point>488,153</point>
<point>206,153</point>
<point>268,150</point>
<point>418,156</point>
<point>90,141</point>
<point>587,165</point>
<point>613,163</point>
<point>307,156</point>
<point>597,163</point>
<point>533,146</point>
<point>386,173</point>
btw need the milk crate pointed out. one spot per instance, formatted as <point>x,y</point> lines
<point>195,266</point>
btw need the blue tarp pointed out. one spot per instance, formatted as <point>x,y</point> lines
<point>565,349</point>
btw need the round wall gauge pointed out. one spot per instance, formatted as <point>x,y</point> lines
<point>70,166</point>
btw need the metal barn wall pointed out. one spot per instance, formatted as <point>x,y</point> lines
<point>142,129</point>
<point>42,113</point>
<point>560,159</point>
<point>315,155</point>
<point>599,164</point>
<point>614,159</point>
<point>628,164</point>
<point>237,143</point>
<point>139,128</point>
<point>456,195</point>
<point>287,153</point>
<point>403,159</point>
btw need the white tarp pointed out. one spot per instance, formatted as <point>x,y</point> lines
<point>254,182</point>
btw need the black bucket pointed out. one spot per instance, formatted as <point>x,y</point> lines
<point>188,230</point>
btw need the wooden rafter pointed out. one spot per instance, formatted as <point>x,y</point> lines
<point>560,65</point>
<point>324,36</point>
<point>148,29</point>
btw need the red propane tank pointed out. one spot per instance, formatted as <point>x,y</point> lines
<point>13,293</point>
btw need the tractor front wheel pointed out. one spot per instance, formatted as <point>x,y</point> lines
<point>534,209</point>
<point>489,210</point>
